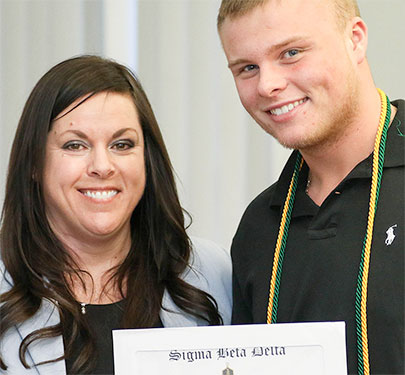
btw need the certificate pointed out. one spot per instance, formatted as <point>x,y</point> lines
<point>293,348</point>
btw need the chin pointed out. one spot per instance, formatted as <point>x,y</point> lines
<point>105,223</point>
<point>103,229</point>
<point>285,136</point>
<point>301,139</point>
<point>293,143</point>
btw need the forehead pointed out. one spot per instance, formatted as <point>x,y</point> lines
<point>97,102</point>
<point>277,20</point>
<point>278,12</point>
<point>101,108</point>
<point>236,8</point>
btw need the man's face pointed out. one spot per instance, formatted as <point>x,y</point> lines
<point>294,70</point>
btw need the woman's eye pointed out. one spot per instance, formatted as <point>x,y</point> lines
<point>122,145</point>
<point>73,146</point>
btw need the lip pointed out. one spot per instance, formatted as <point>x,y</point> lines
<point>284,109</point>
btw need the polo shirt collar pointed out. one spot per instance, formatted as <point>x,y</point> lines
<point>394,154</point>
<point>394,148</point>
<point>306,206</point>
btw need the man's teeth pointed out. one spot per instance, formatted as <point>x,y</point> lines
<point>286,108</point>
<point>103,194</point>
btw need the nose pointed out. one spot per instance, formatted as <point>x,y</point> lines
<point>101,164</point>
<point>271,81</point>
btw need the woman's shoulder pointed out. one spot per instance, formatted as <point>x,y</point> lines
<point>46,316</point>
<point>208,256</point>
<point>210,269</point>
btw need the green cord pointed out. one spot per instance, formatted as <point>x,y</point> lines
<point>381,153</point>
<point>297,168</point>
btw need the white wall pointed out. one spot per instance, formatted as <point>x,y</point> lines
<point>386,49</point>
<point>35,35</point>
<point>221,157</point>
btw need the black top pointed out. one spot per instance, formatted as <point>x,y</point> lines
<point>322,256</point>
<point>102,319</point>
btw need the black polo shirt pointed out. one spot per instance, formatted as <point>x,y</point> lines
<point>322,255</point>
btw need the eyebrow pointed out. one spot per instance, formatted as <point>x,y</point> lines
<point>122,131</point>
<point>273,48</point>
<point>118,133</point>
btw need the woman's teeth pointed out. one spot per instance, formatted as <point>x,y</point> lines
<point>103,194</point>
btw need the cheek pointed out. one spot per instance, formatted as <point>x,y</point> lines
<point>62,171</point>
<point>311,74</point>
<point>333,75</point>
<point>135,173</point>
<point>307,78</point>
<point>247,93</point>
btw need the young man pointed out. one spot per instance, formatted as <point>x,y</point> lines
<point>326,242</point>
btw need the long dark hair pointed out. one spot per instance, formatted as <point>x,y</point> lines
<point>35,258</point>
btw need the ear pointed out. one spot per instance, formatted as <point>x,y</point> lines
<point>358,34</point>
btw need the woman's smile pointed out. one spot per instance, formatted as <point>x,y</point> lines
<point>99,194</point>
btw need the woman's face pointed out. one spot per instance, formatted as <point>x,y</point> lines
<point>94,173</point>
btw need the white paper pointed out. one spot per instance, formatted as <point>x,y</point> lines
<point>294,348</point>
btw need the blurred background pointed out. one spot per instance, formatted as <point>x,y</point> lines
<point>222,158</point>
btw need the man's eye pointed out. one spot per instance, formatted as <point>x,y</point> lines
<point>122,145</point>
<point>291,53</point>
<point>73,146</point>
<point>249,68</point>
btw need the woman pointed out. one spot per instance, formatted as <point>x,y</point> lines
<point>92,234</point>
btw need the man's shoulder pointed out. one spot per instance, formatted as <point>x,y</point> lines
<point>257,214</point>
<point>263,200</point>
<point>400,106</point>
<point>270,197</point>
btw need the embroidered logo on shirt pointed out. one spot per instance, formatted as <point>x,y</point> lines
<point>390,235</point>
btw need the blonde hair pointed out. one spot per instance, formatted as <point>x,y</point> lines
<point>345,9</point>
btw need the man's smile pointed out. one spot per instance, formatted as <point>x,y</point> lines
<point>282,110</point>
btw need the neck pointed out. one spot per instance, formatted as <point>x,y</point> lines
<point>97,260</point>
<point>330,164</point>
